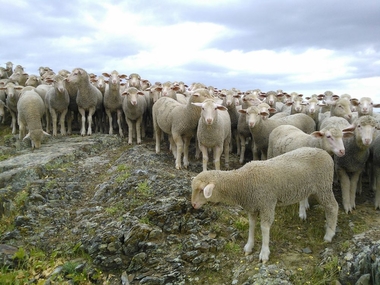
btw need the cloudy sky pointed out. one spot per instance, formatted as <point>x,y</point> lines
<point>295,45</point>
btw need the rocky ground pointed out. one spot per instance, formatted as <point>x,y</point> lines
<point>121,214</point>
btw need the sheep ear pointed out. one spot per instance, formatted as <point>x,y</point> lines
<point>197,104</point>
<point>349,128</point>
<point>26,137</point>
<point>46,134</point>
<point>317,134</point>
<point>347,134</point>
<point>207,191</point>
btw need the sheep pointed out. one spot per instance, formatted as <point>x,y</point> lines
<point>375,170</point>
<point>3,73</point>
<point>57,101</point>
<point>30,109</point>
<point>350,166</point>
<point>339,107</point>
<point>13,94</point>
<point>229,97</point>
<point>261,126</point>
<point>290,182</point>
<point>271,98</point>
<point>312,108</point>
<point>134,80</point>
<point>286,138</point>
<point>112,100</point>
<point>214,131</point>
<point>9,68</point>
<point>364,106</point>
<point>88,97</point>
<point>179,121</point>
<point>170,90</point>
<point>134,107</point>
<point>242,127</point>
<point>33,80</point>
<point>19,76</point>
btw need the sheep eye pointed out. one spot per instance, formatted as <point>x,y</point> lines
<point>329,137</point>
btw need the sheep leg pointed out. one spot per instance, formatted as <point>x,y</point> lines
<point>48,116</point>
<point>138,130</point>
<point>62,122</point>
<point>186,145</point>
<point>82,112</point>
<point>69,122</point>
<point>376,174</point>
<point>242,149</point>
<point>172,146</point>
<point>158,136</point>
<point>345,188</point>
<point>304,205</point>
<point>109,115</point>
<point>130,130</point>
<point>267,218</point>
<point>204,156</point>
<point>13,114</point>
<point>328,201</point>
<point>22,130</point>
<point>355,178</point>
<point>178,142</point>
<point>251,233</point>
<point>226,148</point>
<point>119,118</point>
<point>53,115</point>
<point>217,152</point>
<point>91,112</point>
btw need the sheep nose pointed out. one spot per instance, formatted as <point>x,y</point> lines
<point>342,152</point>
<point>209,121</point>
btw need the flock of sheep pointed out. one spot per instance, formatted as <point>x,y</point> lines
<point>299,145</point>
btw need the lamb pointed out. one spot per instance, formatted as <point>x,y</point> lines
<point>134,107</point>
<point>179,121</point>
<point>350,166</point>
<point>214,131</point>
<point>252,189</point>
<point>112,100</point>
<point>261,126</point>
<point>57,101</point>
<point>30,109</point>
<point>88,98</point>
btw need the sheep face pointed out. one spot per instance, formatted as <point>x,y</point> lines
<point>201,192</point>
<point>36,137</point>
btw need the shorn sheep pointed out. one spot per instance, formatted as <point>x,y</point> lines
<point>30,109</point>
<point>180,122</point>
<point>259,186</point>
<point>214,131</point>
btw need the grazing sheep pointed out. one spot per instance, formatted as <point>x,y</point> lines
<point>350,166</point>
<point>112,100</point>
<point>88,97</point>
<point>12,92</point>
<point>179,121</point>
<point>259,186</point>
<point>261,126</point>
<point>30,109</point>
<point>214,131</point>
<point>134,106</point>
<point>57,101</point>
